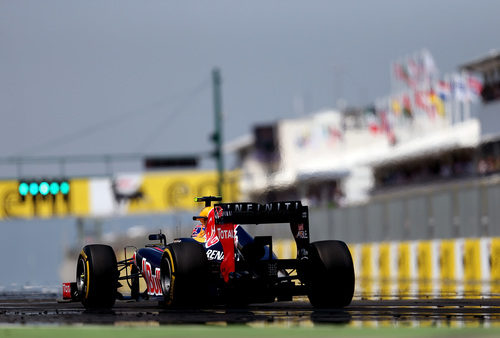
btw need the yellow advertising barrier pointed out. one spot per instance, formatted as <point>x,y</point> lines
<point>285,249</point>
<point>472,268</point>
<point>494,258</point>
<point>355,250</point>
<point>447,271</point>
<point>12,206</point>
<point>384,264</point>
<point>366,276</point>
<point>404,269</point>
<point>156,192</point>
<point>424,265</point>
<point>450,268</point>
<point>176,190</point>
<point>447,268</point>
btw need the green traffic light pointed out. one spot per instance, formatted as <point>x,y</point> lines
<point>23,188</point>
<point>64,187</point>
<point>54,188</point>
<point>33,188</point>
<point>44,188</point>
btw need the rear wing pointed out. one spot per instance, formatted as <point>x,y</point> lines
<point>255,213</point>
<point>292,212</point>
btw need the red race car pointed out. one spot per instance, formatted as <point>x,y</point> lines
<point>225,264</point>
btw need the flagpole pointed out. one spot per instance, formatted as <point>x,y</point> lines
<point>467,100</point>
<point>456,102</point>
<point>448,102</point>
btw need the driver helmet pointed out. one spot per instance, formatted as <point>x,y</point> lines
<point>199,230</point>
<point>204,215</point>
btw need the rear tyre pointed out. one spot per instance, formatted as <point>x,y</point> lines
<point>184,271</point>
<point>97,276</point>
<point>330,274</point>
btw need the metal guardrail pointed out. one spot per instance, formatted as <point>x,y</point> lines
<point>467,208</point>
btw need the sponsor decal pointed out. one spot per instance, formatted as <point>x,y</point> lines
<point>301,233</point>
<point>268,207</point>
<point>152,279</point>
<point>218,212</point>
<point>214,234</point>
<point>215,255</point>
<point>127,188</point>
<point>231,208</point>
<point>210,230</point>
<point>225,233</point>
<point>66,290</point>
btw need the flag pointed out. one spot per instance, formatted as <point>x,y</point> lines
<point>396,107</point>
<point>407,106</point>
<point>474,86</point>
<point>372,120</point>
<point>402,73</point>
<point>443,90</point>
<point>459,88</point>
<point>416,69</point>
<point>428,63</point>
<point>422,100</point>
<point>373,124</point>
<point>386,127</point>
<point>437,103</point>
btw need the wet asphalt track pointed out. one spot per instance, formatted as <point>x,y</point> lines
<point>369,313</point>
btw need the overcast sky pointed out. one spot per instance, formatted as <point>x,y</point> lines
<point>100,77</point>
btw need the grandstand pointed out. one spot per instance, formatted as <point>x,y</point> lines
<point>411,183</point>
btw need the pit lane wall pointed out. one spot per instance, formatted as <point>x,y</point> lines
<point>122,194</point>
<point>462,267</point>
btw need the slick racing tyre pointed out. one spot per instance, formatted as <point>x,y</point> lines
<point>97,276</point>
<point>330,274</point>
<point>183,272</point>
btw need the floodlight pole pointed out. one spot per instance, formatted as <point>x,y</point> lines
<point>217,136</point>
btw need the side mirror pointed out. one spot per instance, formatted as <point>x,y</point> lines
<point>154,237</point>
<point>158,237</point>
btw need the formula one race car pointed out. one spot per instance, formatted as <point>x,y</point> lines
<point>230,267</point>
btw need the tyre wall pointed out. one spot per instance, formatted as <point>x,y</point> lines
<point>461,267</point>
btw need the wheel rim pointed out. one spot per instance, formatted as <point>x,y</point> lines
<point>81,276</point>
<point>166,277</point>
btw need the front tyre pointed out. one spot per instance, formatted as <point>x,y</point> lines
<point>183,272</point>
<point>330,274</point>
<point>97,276</point>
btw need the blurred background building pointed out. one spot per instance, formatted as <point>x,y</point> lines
<point>416,149</point>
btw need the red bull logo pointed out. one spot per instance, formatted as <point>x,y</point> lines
<point>152,279</point>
